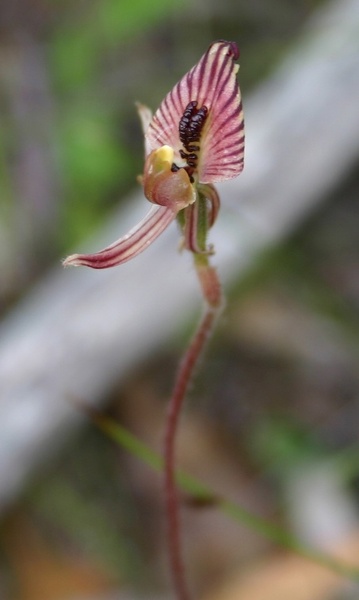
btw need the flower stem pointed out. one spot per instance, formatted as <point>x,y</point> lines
<point>212,294</point>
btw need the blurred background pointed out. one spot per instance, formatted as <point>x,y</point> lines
<point>272,421</point>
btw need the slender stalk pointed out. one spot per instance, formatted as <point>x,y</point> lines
<point>190,485</point>
<point>183,380</point>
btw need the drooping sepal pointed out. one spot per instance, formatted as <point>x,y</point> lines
<point>130,245</point>
<point>211,83</point>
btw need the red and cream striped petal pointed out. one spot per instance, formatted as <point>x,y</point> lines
<point>190,230</point>
<point>130,245</point>
<point>212,82</point>
<point>214,202</point>
<point>145,115</point>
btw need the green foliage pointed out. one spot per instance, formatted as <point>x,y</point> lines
<point>279,444</point>
<point>202,493</point>
<point>96,163</point>
<point>121,20</point>
<point>74,58</point>
<point>78,48</point>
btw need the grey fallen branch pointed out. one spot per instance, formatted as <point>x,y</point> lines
<point>80,331</point>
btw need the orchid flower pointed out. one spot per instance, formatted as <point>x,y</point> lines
<point>195,139</point>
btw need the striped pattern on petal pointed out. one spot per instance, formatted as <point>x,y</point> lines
<point>130,245</point>
<point>212,82</point>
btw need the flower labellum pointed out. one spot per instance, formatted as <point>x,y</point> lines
<point>195,139</point>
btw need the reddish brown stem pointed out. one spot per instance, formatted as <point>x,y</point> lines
<point>184,377</point>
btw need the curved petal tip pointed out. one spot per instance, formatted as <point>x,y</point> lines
<point>130,245</point>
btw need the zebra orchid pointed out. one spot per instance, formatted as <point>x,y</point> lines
<point>195,139</point>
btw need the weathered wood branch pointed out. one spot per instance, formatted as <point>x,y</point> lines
<point>81,330</point>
